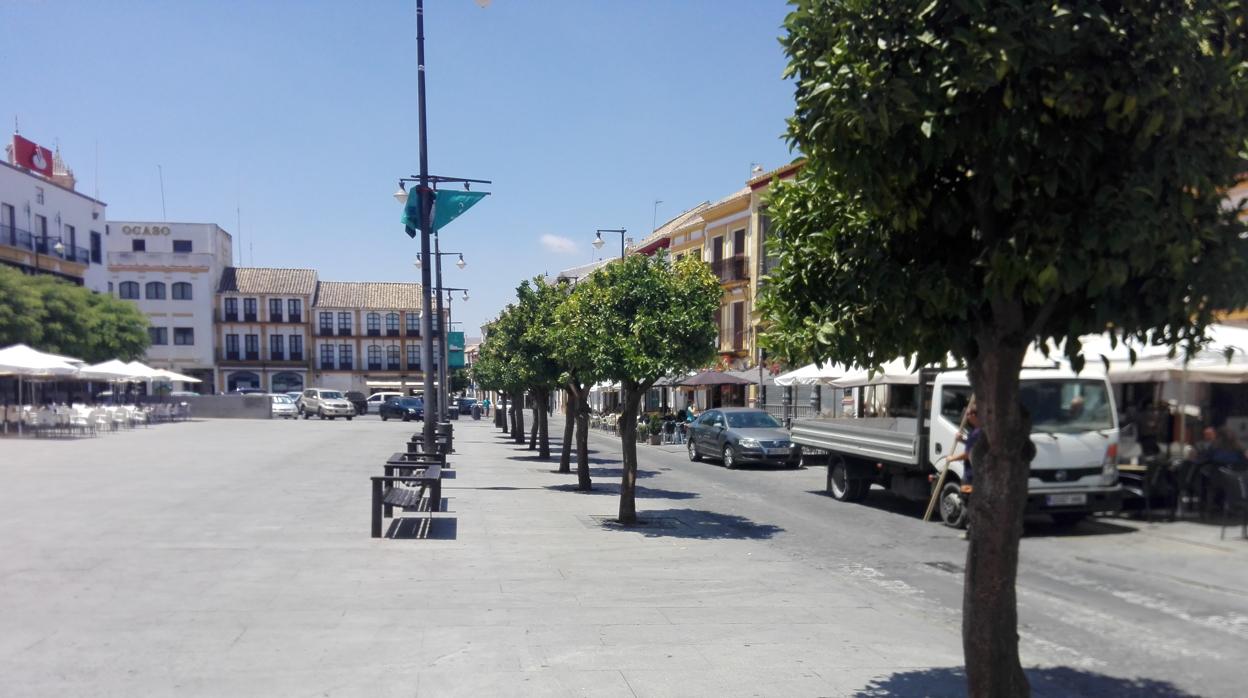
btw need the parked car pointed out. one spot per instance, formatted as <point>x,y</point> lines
<point>282,406</point>
<point>294,395</point>
<point>187,393</point>
<point>374,401</point>
<point>465,404</point>
<point>405,408</point>
<point>740,435</point>
<point>358,401</point>
<point>325,404</point>
<point>247,391</point>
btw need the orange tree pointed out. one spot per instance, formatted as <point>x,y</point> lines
<point>635,321</point>
<point>983,175</point>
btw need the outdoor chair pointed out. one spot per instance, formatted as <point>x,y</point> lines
<point>1232,485</point>
<point>1160,482</point>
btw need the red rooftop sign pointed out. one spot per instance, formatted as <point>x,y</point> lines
<point>32,156</point>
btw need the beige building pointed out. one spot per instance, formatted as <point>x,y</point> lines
<point>262,328</point>
<point>367,336</point>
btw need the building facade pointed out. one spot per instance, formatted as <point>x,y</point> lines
<point>263,328</point>
<point>170,271</point>
<point>367,336</point>
<point>46,226</point>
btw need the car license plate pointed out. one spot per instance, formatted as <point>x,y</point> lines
<point>1065,500</point>
<point>782,451</point>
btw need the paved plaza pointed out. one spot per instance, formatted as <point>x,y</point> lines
<point>232,557</point>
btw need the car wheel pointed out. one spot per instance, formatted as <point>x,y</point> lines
<point>693,452</point>
<point>384,416</point>
<point>350,418</point>
<point>305,414</point>
<point>320,414</point>
<point>407,417</point>
<point>953,505</point>
<point>730,461</point>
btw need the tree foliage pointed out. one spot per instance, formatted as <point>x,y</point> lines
<point>54,315</point>
<point>985,175</point>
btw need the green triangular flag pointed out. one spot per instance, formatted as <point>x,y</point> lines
<point>449,204</point>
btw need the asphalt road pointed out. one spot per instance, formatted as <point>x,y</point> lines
<point>1162,608</point>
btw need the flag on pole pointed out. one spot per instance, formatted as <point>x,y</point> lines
<point>447,206</point>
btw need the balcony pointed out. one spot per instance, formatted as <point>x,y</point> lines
<point>295,318</point>
<point>195,260</point>
<point>345,366</point>
<point>252,356</point>
<point>374,367</point>
<point>296,356</point>
<point>276,356</point>
<point>731,269</point>
<point>229,317</point>
<point>231,356</point>
<point>344,331</point>
<point>327,365</point>
<point>325,331</point>
<point>392,367</point>
<point>392,333</point>
<point>249,317</point>
<point>374,333</point>
<point>275,318</point>
<point>413,332</point>
<point>25,240</point>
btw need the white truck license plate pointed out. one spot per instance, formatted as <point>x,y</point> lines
<point>1065,500</point>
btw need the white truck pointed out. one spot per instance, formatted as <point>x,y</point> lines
<point>901,442</point>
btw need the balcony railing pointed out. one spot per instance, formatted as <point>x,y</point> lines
<point>325,331</point>
<point>413,332</point>
<point>296,356</point>
<point>327,365</point>
<point>252,356</point>
<point>276,356</point>
<point>392,367</point>
<point>392,333</point>
<point>25,240</point>
<point>345,366</point>
<point>374,367</point>
<point>344,331</point>
<point>731,269</point>
<point>229,317</point>
<point>275,318</point>
<point>374,333</point>
<point>231,356</point>
<point>295,317</point>
<point>249,317</point>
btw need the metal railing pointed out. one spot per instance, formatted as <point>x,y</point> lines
<point>11,236</point>
<point>731,268</point>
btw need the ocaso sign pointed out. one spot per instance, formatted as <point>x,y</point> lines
<point>145,230</point>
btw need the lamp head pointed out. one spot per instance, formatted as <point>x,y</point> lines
<point>465,295</point>
<point>598,242</point>
<point>59,247</point>
<point>461,263</point>
<point>401,194</point>
<point>417,262</point>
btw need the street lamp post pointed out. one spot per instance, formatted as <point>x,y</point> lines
<point>438,254</point>
<point>599,242</point>
<point>444,365</point>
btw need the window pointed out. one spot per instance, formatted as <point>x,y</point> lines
<point>293,311</point>
<point>374,324</point>
<point>231,347</point>
<point>39,195</point>
<point>251,347</point>
<point>128,290</point>
<point>413,356</point>
<point>181,245</point>
<point>374,357</point>
<point>138,245</point>
<point>953,401</point>
<point>275,310</point>
<point>97,248</point>
<point>327,323</point>
<point>184,336</point>
<point>344,323</point>
<point>249,309</point>
<point>392,324</point>
<point>181,291</point>
<point>287,382</point>
<point>72,251</point>
<point>345,360</point>
<point>158,336</point>
<point>413,324</point>
<point>327,356</point>
<point>296,347</point>
<point>392,357</point>
<point>276,350</point>
<point>155,291</point>
<point>110,288</point>
<point>231,310</point>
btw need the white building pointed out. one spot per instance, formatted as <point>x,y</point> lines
<point>47,227</point>
<point>170,271</point>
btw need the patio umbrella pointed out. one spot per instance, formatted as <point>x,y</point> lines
<point>113,370</point>
<point>170,375</point>
<point>22,361</point>
<point>811,374</point>
<point>715,378</point>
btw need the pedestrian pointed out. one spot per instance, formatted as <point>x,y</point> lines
<point>968,472</point>
<point>485,405</point>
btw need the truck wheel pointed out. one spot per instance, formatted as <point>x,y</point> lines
<point>693,452</point>
<point>952,505</point>
<point>838,479</point>
<point>1068,519</point>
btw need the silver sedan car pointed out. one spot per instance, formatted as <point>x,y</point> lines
<point>738,435</point>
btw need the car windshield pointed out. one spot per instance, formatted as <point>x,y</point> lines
<point>410,401</point>
<point>281,400</point>
<point>331,395</point>
<point>751,420</point>
<point>1067,406</point>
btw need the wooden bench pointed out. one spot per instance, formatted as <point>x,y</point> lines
<point>420,458</point>
<point>414,483</point>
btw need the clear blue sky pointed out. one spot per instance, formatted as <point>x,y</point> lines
<point>303,114</point>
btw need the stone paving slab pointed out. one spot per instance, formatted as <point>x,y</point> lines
<point>232,557</point>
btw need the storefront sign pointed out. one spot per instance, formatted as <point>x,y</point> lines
<point>145,230</point>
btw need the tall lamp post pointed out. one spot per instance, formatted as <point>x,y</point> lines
<point>425,184</point>
<point>444,366</point>
<point>440,409</point>
<point>599,242</point>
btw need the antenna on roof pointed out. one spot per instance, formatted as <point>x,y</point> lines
<point>161,172</point>
<point>655,219</point>
<point>755,169</point>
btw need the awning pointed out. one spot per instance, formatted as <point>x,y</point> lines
<point>393,384</point>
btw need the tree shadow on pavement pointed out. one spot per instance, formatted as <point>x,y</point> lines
<point>695,523</point>
<point>613,488</point>
<point>1049,682</point>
